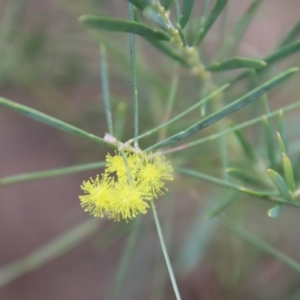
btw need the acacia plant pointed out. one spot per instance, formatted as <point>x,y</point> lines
<point>259,164</point>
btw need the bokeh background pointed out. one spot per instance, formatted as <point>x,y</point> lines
<point>50,62</point>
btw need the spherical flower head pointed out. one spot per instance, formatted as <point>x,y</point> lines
<point>129,200</point>
<point>153,170</point>
<point>98,195</point>
<point>117,164</point>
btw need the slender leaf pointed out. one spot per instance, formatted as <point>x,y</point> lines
<point>280,184</point>
<point>283,52</point>
<point>227,110</point>
<point>53,122</point>
<point>223,183</point>
<point>292,34</point>
<point>236,63</point>
<point>187,7</point>
<point>246,146</point>
<point>269,196</point>
<point>50,173</point>
<point>219,6</point>
<point>270,143</point>
<point>123,26</point>
<point>288,173</point>
<point>279,54</point>
<point>230,130</point>
<point>283,131</point>
<point>261,244</point>
<point>105,89</point>
<point>152,15</point>
<point>165,252</point>
<point>120,119</point>
<point>281,142</point>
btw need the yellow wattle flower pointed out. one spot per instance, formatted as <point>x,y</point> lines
<point>98,195</point>
<point>125,189</point>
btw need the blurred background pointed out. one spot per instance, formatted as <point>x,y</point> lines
<point>51,62</point>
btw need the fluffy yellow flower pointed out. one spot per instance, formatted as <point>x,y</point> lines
<point>116,164</point>
<point>125,189</point>
<point>99,193</point>
<point>153,170</point>
<point>129,200</point>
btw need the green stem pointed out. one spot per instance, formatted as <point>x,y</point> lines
<point>165,252</point>
<point>105,89</point>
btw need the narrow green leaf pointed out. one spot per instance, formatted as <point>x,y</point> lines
<point>280,184</point>
<point>283,52</point>
<point>187,7</point>
<point>224,183</point>
<point>292,34</point>
<point>227,110</point>
<point>133,77</point>
<point>243,125</point>
<point>219,6</point>
<point>275,211</point>
<point>53,122</point>
<point>105,89</point>
<point>269,196</point>
<point>141,4</point>
<point>262,245</point>
<point>281,142</point>
<point>255,193</point>
<point>283,131</point>
<point>246,146</point>
<point>123,26</point>
<point>270,143</point>
<point>244,175</point>
<point>120,119</point>
<point>165,252</point>
<point>288,173</point>
<point>236,63</point>
<point>279,54</point>
<point>50,173</point>
<point>155,18</point>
